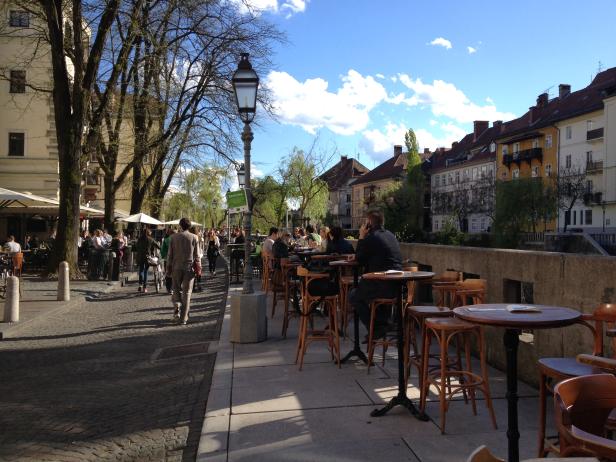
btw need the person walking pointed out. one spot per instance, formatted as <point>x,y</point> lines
<point>182,258</point>
<point>194,230</point>
<point>145,248</point>
<point>164,250</point>
<point>213,250</point>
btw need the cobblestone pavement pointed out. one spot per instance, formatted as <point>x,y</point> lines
<point>86,385</point>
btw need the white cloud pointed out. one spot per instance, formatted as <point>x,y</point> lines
<point>379,76</point>
<point>394,79</point>
<point>311,105</point>
<point>441,42</point>
<point>379,144</point>
<point>471,50</point>
<point>489,100</point>
<point>433,122</point>
<point>444,99</point>
<point>257,7</point>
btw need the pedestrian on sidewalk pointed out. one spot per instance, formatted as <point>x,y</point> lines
<point>194,230</point>
<point>182,259</point>
<point>146,247</point>
<point>164,250</point>
<point>213,250</point>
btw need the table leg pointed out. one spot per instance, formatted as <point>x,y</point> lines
<point>401,399</point>
<point>356,351</point>
<point>511,341</point>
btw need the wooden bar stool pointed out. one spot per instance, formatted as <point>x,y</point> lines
<point>379,303</point>
<point>444,330</point>
<point>554,370</point>
<point>290,287</point>
<point>346,283</point>
<point>277,283</point>
<point>443,285</point>
<point>469,292</point>
<point>310,334</point>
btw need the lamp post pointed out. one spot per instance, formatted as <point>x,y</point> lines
<point>603,208</point>
<point>215,204</point>
<point>245,83</point>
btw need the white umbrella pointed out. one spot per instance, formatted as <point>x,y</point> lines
<point>16,199</point>
<point>142,218</point>
<point>177,222</point>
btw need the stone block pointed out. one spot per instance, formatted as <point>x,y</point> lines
<point>248,317</point>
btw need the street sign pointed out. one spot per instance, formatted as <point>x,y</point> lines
<point>236,201</point>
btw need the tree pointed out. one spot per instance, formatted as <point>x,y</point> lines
<point>572,186</point>
<point>69,37</point>
<point>521,205</point>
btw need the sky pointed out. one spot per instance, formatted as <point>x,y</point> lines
<point>358,73</point>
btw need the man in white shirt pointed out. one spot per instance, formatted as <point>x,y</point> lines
<point>269,241</point>
<point>12,246</point>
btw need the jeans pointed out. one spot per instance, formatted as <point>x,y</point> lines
<point>367,291</point>
<point>211,259</point>
<point>143,273</point>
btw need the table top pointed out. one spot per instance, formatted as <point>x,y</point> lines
<point>343,263</point>
<point>397,276</point>
<point>496,314</point>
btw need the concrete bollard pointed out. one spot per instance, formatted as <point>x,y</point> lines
<point>64,288</point>
<point>130,258</point>
<point>11,303</point>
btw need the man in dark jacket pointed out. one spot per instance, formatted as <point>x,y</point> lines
<point>377,250</point>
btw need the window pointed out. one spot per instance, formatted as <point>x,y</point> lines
<point>589,186</point>
<point>348,197</point>
<point>575,217</point>
<point>348,212</point>
<point>589,125</point>
<point>588,214</point>
<point>484,171</point>
<point>535,172</point>
<point>465,174</point>
<point>567,217</point>
<point>505,150</point>
<point>457,177</point>
<point>16,144</point>
<point>492,147</point>
<point>568,132</point>
<point>548,141</point>
<point>504,175</point>
<point>536,143</point>
<point>475,173</point>
<point>548,170</point>
<point>19,18</point>
<point>516,148</point>
<point>443,179</point>
<point>568,161</point>
<point>515,173</point>
<point>18,82</point>
<point>588,157</point>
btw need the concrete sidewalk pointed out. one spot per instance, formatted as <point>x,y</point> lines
<point>261,407</point>
<point>39,300</point>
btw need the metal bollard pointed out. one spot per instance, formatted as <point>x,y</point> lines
<point>129,264</point>
<point>64,288</point>
<point>112,257</point>
<point>11,304</point>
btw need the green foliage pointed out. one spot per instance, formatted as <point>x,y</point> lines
<point>521,206</point>
<point>199,197</point>
<point>270,206</point>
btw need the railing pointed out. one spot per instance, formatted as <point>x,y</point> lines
<point>530,154</point>
<point>594,167</point>
<point>606,240</point>
<point>595,134</point>
<point>532,237</point>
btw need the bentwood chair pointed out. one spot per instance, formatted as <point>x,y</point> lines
<point>307,332</point>
<point>443,285</point>
<point>582,406</point>
<point>483,454</point>
<point>554,370</point>
<point>291,286</point>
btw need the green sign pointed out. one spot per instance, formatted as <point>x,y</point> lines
<point>236,201</point>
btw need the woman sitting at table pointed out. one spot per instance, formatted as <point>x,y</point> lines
<point>338,244</point>
<point>11,246</point>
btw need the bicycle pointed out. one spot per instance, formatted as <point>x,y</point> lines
<point>159,274</point>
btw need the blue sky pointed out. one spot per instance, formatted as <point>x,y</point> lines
<point>358,73</point>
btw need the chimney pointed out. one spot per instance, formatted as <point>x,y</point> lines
<point>497,123</point>
<point>479,126</point>
<point>542,100</point>
<point>454,144</point>
<point>563,90</point>
<point>343,158</point>
<point>426,151</point>
<point>532,115</point>
<point>397,150</point>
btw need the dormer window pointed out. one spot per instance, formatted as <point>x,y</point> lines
<point>492,147</point>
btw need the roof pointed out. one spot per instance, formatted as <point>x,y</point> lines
<point>467,150</point>
<point>588,99</point>
<point>389,169</point>
<point>343,171</point>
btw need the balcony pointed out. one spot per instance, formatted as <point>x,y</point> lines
<point>594,135</point>
<point>594,167</point>
<point>595,197</point>
<point>526,155</point>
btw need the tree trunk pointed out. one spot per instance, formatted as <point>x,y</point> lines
<point>110,199</point>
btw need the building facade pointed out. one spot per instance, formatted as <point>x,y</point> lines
<point>463,181</point>
<point>340,199</point>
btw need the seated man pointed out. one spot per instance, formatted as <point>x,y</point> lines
<point>11,246</point>
<point>269,241</point>
<point>377,250</point>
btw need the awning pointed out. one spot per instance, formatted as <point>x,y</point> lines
<point>14,202</point>
<point>141,218</point>
<point>177,223</point>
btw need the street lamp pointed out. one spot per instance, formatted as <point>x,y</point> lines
<point>215,204</point>
<point>241,176</point>
<point>245,83</point>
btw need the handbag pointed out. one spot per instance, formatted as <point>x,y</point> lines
<point>197,268</point>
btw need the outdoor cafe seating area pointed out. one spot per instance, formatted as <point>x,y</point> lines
<point>435,349</point>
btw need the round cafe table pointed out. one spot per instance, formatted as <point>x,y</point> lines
<point>356,351</point>
<point>497,315</point>
<point>401,278</point>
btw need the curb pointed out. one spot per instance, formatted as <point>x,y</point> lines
<point>9,330</point>
<point>214,438</point>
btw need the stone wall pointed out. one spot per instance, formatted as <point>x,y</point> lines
<point>575,281</point>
